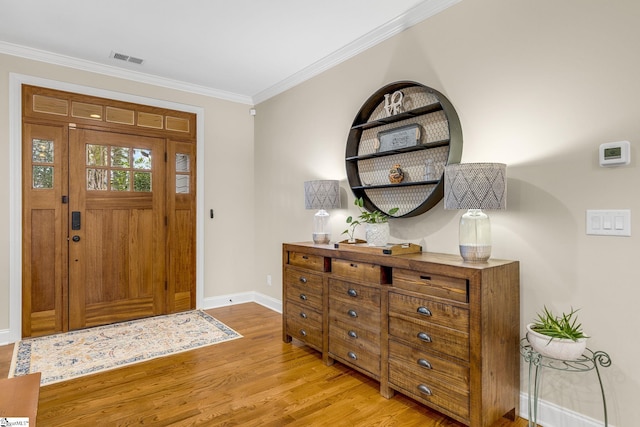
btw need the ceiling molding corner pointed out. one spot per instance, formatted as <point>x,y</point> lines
<point>407,20</point>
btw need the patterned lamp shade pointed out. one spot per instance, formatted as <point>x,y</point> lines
<point>322,194</point>
<point>475,186</point>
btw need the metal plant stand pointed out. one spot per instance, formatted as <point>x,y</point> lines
<point>587,362</point>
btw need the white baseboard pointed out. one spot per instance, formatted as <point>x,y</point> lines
<point>241,298</point>
<point>6,337</point>
<point>552,415</point>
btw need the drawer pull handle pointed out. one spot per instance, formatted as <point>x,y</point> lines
<point>424,310</point>
<point>303,315</point>
<point>305,257</point>
<point>352,334</point>
<point>303,332</point>
<point>353,265</point>
<point>303,297</point>
<point>424,337</point>
<point>303,280</point>
<point>425,363</point>
<point>424,389</point>
<point>352,355</point>
<point>425,277</point>
<point>352,313</point>
<point>352,293</point>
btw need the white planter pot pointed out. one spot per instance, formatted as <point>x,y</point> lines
<point>377,234</point>
<point>557,348</point>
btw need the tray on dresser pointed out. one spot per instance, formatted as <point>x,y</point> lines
<point>389,249</point>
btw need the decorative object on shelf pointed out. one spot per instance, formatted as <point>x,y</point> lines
<point>558,337</point>
<point>396,174</point>
<point>399,138</point>
<point>374,235</point>
<point>393,103</point>
<point>429,170</point>
<point>402,123</point>
<point>475,186</point>
<point>321,195</point>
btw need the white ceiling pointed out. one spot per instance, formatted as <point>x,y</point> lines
<point>241,50</point>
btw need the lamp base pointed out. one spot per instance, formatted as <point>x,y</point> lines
<point>321,238</point>
<point>475,236</point>
<point>475,253</point>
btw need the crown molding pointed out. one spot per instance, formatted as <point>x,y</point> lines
<point>94,67</point>
<point>412,17</point>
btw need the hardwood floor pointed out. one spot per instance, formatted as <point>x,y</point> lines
<point>257,380</point>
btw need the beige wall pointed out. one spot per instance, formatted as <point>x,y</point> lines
<point>227,169</point>
<point>538,85</point>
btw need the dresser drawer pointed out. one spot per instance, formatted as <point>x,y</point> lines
<point>305,330</point>
<point>431,337</point>
<point>435,394</point>
<point>304,288</point>
<point>304,313</point>
<point>360,337</point>
<point>428,310</point>
<point>360,295</point>
<point>353,270</point>
<point>354,354</point>
<point>429,367</point>
<point>308,261</point>
<point>452,288</point>
<point>352,314</point>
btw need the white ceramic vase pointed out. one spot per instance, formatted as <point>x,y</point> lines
<point>557,348</point>
<point>377,234</point>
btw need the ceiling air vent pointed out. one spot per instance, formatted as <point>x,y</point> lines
<point>126,58</point>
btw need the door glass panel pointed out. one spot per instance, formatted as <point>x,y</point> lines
<point>182,162</point>
<point>42,151</point>
<point>142,181</point>
<point>96,155</point>
<point>182,184</point>
<point>141,159</point>
<point>97,179</point>
<point>43,177</point>
<point>119,180</point>
<point>120,157</point>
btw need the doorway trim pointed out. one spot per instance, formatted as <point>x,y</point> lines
<point>15,184</point>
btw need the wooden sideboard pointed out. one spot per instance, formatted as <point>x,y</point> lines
<point>427,325</point>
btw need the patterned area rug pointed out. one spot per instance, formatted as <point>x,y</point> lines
<point>73,354</point>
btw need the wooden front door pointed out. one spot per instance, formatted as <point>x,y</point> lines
<point>117,241</point>
<point>108,211</point>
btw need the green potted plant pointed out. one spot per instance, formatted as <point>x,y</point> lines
<point>559,337</point>
<point>377,224</point>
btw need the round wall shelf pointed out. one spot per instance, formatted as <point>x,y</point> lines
<point>409,126</point>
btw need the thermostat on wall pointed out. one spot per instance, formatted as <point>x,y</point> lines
<point>614,153</point>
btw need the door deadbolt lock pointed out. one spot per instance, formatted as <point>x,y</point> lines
<point>76,238</point>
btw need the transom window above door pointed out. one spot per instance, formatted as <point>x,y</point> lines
<point>113,168</point>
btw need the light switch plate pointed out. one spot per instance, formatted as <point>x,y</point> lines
<point>609,222</point>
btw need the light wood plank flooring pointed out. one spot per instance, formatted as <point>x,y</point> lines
<point>257,380</point>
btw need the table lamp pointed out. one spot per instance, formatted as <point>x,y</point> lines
<point>475,186</point>
<point>321,195</point>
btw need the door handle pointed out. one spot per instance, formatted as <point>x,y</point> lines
<point>75,221</point>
